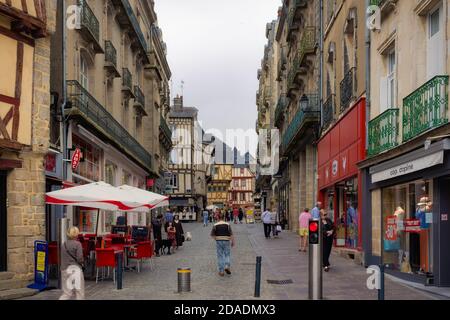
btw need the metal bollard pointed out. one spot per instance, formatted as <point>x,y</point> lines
<point>119,270</point>
<point>381,291</point>
<point>258,277</point>
<point>184,280</point>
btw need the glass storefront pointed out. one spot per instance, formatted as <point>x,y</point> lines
<point>407,227</point>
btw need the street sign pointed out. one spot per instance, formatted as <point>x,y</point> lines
<point>76,159</point>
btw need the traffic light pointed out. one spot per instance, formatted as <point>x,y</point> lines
<point>314,226</point>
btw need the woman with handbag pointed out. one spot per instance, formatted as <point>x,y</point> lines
<point>72,267</point>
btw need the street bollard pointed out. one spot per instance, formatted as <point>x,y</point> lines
<point>258,277</point>
<point>184,280</point>
<point>315,260</point>
<point>119,270</point>
<point>381,290</point>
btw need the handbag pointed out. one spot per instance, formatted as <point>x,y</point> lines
<point>279,229</point>
<point>182,238</point>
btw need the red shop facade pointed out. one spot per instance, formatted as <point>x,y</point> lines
<point>340,180</point>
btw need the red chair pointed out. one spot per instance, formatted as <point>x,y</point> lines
<point>144,251</point>
<point>105,258</point>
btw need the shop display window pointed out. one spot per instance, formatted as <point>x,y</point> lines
<point>407,227</point>
<point>346,213</point>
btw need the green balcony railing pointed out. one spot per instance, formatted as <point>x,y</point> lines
<point>165,128</point>
<point>292,75</point>
<point>81,100</point>
<point>88,20</point>
<point>329,109</point>
<point>307,43</point>
<point>139,96</point>
<point>309,107</point>
<point>281,107</point>
<point>426,108</point>
<point>135,24</point>
<point>110,53</point>
<point>384,132</point>
<point>127,79</point>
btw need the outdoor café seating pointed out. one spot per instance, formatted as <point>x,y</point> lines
<point>105,258</point>
<point>142,252</point>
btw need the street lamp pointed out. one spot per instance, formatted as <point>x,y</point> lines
<point>304,101</point>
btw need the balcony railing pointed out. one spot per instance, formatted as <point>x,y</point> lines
<point>292,75</point>
<point>165,128</point>
<point>281,107</point>
<point>127,81</point>
<point>307,43</point>
<point>426,108</point>
<point>90,24</point>
<point>139,97</point>
<point>82,101</point>
<point>329,109</point>
<point>110,53</point>
<point>384,132</point>
<point>308,108</point>
<point>348,89</point>
<point>292,14</point>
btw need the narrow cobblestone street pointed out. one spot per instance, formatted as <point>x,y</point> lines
<point>281,261</point>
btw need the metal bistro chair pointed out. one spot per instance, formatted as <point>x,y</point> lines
<point>105,258</point>
<point>144,251</point>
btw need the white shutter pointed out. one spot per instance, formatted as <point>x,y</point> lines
<point>383,94</point>
<point>435,44</point>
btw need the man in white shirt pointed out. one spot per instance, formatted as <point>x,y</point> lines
<point>266,218</point>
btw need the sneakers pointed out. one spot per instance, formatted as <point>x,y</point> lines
<point>228,271</point>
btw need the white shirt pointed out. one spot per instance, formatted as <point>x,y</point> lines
<point>266,217</point>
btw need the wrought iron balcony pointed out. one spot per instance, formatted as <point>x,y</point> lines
<point>307,43</point>
<point>90,27</point>
<point>166,132</point>
<point>384,132</point>
<point>292,16</point>
<point>292,75</point>
<point>111,58</point>
<point>348,89</point>
<point>139,98</point>
<point>127,82</point>
<point>81,102</point>
<point>329,109</point>
<point>308,111</point>
<point>426,108</point>
<point>281,107</point>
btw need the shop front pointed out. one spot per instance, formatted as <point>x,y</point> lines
<point>339,178</point>
<point>414,200</point>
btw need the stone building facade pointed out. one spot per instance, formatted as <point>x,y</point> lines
<point>25,30</point>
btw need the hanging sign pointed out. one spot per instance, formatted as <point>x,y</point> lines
<point>40,265</point>
<point>412,225</point>
<point>76,159</point>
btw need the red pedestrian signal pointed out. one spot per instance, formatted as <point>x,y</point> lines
<point>314,237</point>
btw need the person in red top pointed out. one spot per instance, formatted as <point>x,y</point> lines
<point>235,215</point>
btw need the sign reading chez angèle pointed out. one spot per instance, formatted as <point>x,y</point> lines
<point>409,167</point>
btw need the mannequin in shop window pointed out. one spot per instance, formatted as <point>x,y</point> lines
<point>424,208</point>
<point>352,224</point>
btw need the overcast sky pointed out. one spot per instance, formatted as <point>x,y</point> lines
<point>216,47</point>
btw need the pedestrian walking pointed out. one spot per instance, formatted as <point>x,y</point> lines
<point>223,235</point>
<point>72,265</point>
<point>315,212</point>
<point>205,218</point>
<point>168,217</point>
<point>274,221</point>
<point>303,222</point>
<point>266,219</point>
<point>157,232</point>
<point>179,235</point>
<point>216,215</point>
<point>241,215</point>
<point>171,235</point>
<point>235,215</point>
<point>328,232</point>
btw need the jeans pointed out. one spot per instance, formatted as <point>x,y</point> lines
<point>205,220</point>
<point>267,229</point>
<point>223,255</point>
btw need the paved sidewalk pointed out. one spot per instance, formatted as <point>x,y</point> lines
<point>281,261</point>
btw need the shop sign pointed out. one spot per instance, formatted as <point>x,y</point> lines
<point>391,228</point>
<point>335,168</point>
<point>412,225</point>
<point>409,167</point>
<point>76,159</point>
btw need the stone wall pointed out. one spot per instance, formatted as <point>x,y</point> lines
<point>26,186</point>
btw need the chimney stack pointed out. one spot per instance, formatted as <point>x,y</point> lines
<point>178,102</point>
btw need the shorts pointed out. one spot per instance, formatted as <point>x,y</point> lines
<point>303,232</point>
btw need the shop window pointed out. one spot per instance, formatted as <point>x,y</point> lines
<point>408,226</point>
<point>346,214</point>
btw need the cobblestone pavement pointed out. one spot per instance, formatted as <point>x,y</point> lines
<point>281,261</point>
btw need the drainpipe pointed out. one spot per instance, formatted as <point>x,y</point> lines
<point>64,138</point>
<point>321,36</point>
<point>367,36</point>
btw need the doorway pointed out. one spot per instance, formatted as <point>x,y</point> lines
<point>346,214</point>
<point>3,223</point>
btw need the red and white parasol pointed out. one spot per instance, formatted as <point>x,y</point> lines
<point>148,200</point>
